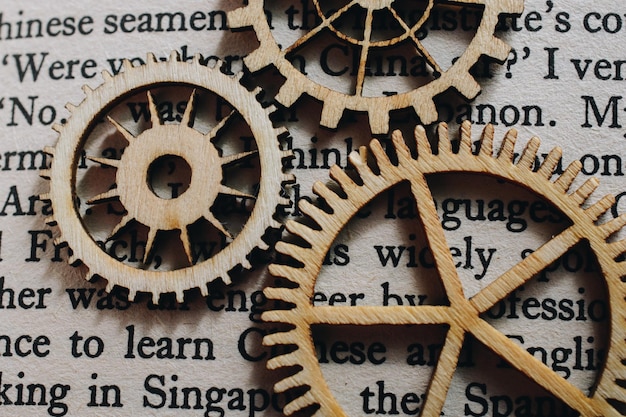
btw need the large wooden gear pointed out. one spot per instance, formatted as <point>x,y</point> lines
<point>462,315</point>
<point>378,107</point>
<point>141,204</point>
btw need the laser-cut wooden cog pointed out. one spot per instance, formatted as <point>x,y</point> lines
<point>335,102</point>
<point>135,194</point>
<point>462,316</point>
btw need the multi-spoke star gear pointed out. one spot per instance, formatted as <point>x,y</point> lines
<point>335,102</point>
<point>132,189</point>
<point>461,316</point>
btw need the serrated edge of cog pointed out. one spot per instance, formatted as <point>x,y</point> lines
<point>275,197</point>
<point>420,99</point>
<point>302,361</point>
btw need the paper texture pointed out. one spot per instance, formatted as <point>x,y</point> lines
<point>67,347</point>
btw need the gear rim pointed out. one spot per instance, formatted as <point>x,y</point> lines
<point>420,99</point>
<point>74,133</point>
<point>608,397</point>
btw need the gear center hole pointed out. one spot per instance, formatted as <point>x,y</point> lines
<point>169,176</point>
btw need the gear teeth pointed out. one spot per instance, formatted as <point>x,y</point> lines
<point>50,221</point>
<point>269,110</point>
<point>343,179</point>
<point>299,403</point>
<point>549,164</point>
<point>289,179</point>
<point>87,90</point>
<point>498,49</point>
<point>264,246</point>
<point>245,263</point>
<point>601,207</point>
<point>49,150</point>
<point>44,196</point>
<point>57,127</point>
<point>569,175</point>
<point>180,296</point>
<point>379,120</point>
<point>280,131</point>
<point>421,140</point>
<point>582,194</point>
<point>204,290</point>
<point>402,151</point>
<point>379,153</point>
<point>197,59</point>
<point>155,298</point>
<point>151,58</point>
<point>303,231</point>
<point>359,162</point>
<point>331,115</point>
<point>529,155</point>
<point>613,226</point>
<point>127,65</point>
<point>44,173</point>
<point>465,146</point>
<point>256,91</point>
<point>281,338</point>
<point>285,202</point>
<point>486,141</point>
<point>312,211</point>
<point>290,250</point>
<point>444,145</point>
<point>292,274</point>
<point>175,56</point>
<point>106,75</point>
<point>70,107</point>
<point>283,294</point>
<point>508,145</point>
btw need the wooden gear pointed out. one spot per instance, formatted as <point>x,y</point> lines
<point>462,316</point>
<point>132,190</point>
<point>335,102</point>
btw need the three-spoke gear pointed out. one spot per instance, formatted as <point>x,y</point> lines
<point>144,151</point>
<point>369,39</point>
<point>462,316</point>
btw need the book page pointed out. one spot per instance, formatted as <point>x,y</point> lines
<point>110,307</point>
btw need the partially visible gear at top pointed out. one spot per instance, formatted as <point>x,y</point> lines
<point>132,188</point>
<point>335,102</point>
<point>461,316</point>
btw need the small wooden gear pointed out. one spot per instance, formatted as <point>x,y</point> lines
<point>378,107</point>
<point>462,315</point>
<point>132,187</point>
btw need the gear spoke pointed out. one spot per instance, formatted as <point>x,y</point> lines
<point>127,135</point>
<point>416,42</point>
<point>109,195</point>
<point>105,161</point>
<point>217,224</point>
<point>436,239</point>
<point>186,121</point>
<point>373,315</point>
<point>525,270</point>
<point>184,238</point>
<point>152,232</point>
<point>316,30</point>
<point>444,371</point>
<point>227,160</point>
<point>231,191</point>
<point>367,35</point>
<point>219,126</point>
<point>523,361</point>
<point>118,227</point>
<point>154,113</point>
